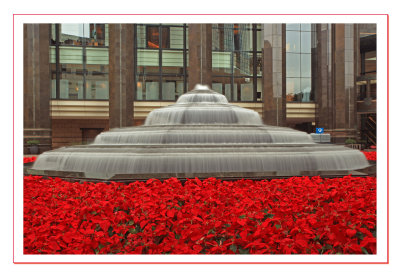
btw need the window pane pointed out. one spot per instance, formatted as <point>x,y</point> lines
<point>292,89</point>
<point>152,90</point>
<point>165,37</point>
<point>243,63</point>
<point>172,61</point>
<point>53,34</point>
<point>97,82</point>
<point>259,89</point>
<point>259,64</point>
<point>259,41</point>
<point>245,85</point>
<point>306,90</point>
<point>243,37</point>
<point>53,81</point>
<point>71,76</point>
<point>222,62</point>
<point>176,37</point>
<point>223,37</point>
<point>172,87</point>
<point>305,42</point>
<point>148,61</point>
<point>168,90</point>
<point>141,36</point>
<point>74,34</point>
<point>292,65</point>
<point>152,37</point>
<point>293,41</point>
<point>305,27</point>
<point>223,86</point>
<point>305,65</point>
<point>97,35</point>
<point>293,26</point>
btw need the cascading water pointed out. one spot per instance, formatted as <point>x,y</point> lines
<point>201,135</point>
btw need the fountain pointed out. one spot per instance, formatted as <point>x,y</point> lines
<point>202,135</point>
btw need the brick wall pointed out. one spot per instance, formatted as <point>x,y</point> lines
<point>69,132</point>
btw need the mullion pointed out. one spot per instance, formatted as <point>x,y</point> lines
<point>160,62</point>
<point>184,59</point>
<point>57,61</point>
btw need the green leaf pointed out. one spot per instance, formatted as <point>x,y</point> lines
<point>233,247</point>
<point>364,250</point>
<point>242,216</point>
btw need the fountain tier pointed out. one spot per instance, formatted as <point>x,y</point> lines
<point>201,135</point>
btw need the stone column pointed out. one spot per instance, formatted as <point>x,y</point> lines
<point>324,92</point>
<point>336,99</point>
<point>274,73</point>
<point>121,74</point>
<point>200,55</point>
<point>37,118</point>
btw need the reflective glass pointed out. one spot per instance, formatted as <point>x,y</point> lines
<point>305,65</point>
<point>245,85</point>
<point>293,42</point>
<point>259,64</point>
<point>305,42</point>
<point>293,26</point>
<point>222,38</point>
<point>172,61</point>
<point>176,37</point>
<point>222,62</point>
<point>292,89</point>
<point>97,82</point>
<point>74,34</point>
<point>148,61</point>
<point>223,86</point>
<point>72,71</point>
<point>305,27</point>
<point>172,87</point>
<point>292,65</point>
<point>306,90</point>
<point>243,63</point>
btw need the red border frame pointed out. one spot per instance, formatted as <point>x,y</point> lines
<point>387,115</point>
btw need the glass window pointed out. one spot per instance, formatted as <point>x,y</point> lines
<point>293,42</point>
<point>97,82</point>
<point>293,65</point>
<point>305,27</point>
<point>305,65</point>
<point>237,61</point>
<point>82,56</point>
<point>293,26</point>
<point>154,39</point>
<point>161,61</point>
<point>243,63</point>
<point>292,88</point>
<point>305,42</point>
<point>298,62</point>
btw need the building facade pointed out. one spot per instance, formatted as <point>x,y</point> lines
<point>82,79</point>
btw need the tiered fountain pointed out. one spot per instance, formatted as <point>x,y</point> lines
<point>202,135</point>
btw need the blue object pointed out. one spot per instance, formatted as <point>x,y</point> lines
<point>319,130</point>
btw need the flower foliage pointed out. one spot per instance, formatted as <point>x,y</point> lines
<point>299,215</point>
<point>29,159</point>
<point>370,155</point>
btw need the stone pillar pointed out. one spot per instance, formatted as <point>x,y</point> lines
<point>324,92</point>
<point>337,65</point>
<point>37,118</point>
<point>274,73</point>
<point>121,74</point>
<point>200,55</point>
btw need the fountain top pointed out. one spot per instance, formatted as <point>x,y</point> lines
<point>200,87</point>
